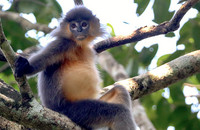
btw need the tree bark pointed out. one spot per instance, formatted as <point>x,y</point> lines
<point>30,114</point>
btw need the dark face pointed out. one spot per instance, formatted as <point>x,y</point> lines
<point>80,29</point>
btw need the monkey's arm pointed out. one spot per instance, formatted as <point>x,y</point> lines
<point>50,55</point>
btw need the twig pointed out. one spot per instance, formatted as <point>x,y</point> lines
<point>197,96</point>
<point>192,85</point>
<point>4,67</point>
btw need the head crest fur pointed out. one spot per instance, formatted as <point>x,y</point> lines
<point>77,13</point>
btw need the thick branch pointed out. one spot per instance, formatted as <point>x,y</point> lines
<point>32,115</point>
<point>163,76</point>
<point>145,32</point>
<point>24,22</point>
<point>9,125</point>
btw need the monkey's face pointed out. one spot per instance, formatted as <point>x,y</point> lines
<point>79,29</point>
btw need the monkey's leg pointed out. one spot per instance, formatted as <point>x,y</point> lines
<point>92,114</point>
<point>118,95</point>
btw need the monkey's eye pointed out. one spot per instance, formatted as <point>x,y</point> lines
<point>84,24</point>
<point>73,25</point>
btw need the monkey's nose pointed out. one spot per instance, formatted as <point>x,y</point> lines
<point>79,29</point>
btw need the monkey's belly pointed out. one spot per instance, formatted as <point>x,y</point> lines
<point>80,81</point>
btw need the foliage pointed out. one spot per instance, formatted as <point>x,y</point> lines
<point>163,111</point>
<point>43,10</point>
<point>142,4</point>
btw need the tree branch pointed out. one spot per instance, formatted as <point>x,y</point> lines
<point>27,25</point>
<point>163,76</point>
<point>11,57</point>
<point>32,115</point>
<point>145,32</point>
<point>9,125</point>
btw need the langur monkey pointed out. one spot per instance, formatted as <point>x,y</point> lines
<point>68,79</point>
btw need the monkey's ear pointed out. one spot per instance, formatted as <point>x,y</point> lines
<point>62,30</point>
<point>95,28</point>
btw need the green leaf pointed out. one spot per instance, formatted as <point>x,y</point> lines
<point>148,103</point>
<point>142,5</point>
<point>190,35</point>
<point>33,84</point>
<point>161,11</point>
<point>163,109</point>
<point>123,53</point>
<point>197,6</point>
<point>44,10</point>
<point>176,93</point>
<point>16,34</point>
<point>196,35</point>
<point>107,79</point>
<point>169,57</point>
<point>198,77</point>
<point>132,67</point>
<point>157,96</point>
<point>163,59</point>
<point>171,34</point>
<point>193,124</point>
<point>194,80</point>
<point>180,117</point>
<point>147,54</point>
<point>10,80</point>
<point>185,33</point>
<point>112,30</point>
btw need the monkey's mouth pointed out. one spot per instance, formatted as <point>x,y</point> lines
<point>80,37</point>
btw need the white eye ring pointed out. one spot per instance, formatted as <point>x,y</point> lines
<point>73,25</point>
<point>84,24</point>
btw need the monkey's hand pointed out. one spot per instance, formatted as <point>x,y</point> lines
<point>22,67</point>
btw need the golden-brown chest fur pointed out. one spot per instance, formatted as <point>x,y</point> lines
<point>80,78</point>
